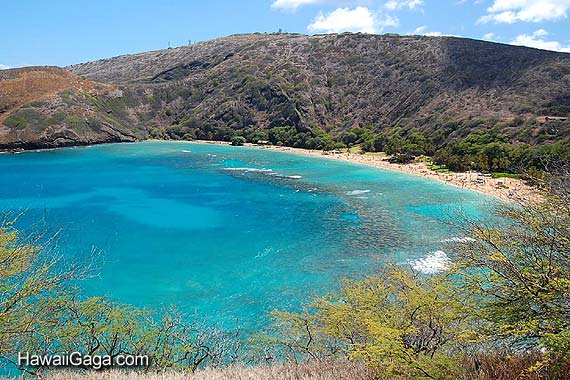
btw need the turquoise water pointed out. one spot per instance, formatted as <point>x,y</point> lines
<point>228,232</point>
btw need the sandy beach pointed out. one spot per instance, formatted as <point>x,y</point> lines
<point>506,189</point>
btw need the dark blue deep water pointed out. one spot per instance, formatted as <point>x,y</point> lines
<point>229,232</point>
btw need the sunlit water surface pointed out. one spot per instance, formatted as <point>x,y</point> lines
<point>229,232</point>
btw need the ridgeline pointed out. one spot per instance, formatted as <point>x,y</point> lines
<point>407,95</point>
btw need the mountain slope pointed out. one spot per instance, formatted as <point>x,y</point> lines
<point>248,84</point>
<point>43,107</point>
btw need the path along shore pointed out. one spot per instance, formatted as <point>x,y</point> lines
<point>506,189</point>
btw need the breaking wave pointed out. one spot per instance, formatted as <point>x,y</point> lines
<point>458,240</point>
<point>248,170</point>
<point>357,192</point>
<point>268,172</point>
<point>435,262</point>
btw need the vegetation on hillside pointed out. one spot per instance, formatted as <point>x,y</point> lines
<point>471,145</point>
<point>46,107</point>
<point>415,94</point>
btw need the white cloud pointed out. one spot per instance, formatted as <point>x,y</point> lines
<point>540,33</point>
<point>538,40</point>
<point>511,11</point>
<point>359,19</point>
<point>490,37</point>
<point>292,5</point>
<point>4,67</point>
<point>399,4</point>
<point>423,31</point>
<point>420,29</point>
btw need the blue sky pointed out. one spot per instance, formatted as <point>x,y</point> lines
<point>65,32</point>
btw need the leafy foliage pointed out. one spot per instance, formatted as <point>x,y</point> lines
<point>464,146</point>
<point>519,274</point>
<point>508,291</point>
<point>395,321</point>
<point>16,122</point>
<point>28,283</point>
<point>238,140</point>
<point>40,312</point>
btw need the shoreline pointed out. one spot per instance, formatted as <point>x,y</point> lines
<point>506,189</point>
<point>509,190</point>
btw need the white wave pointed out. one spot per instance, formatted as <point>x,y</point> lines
<point>285,176</point>
<point>249,170</point>
<point>269,172</point>
<point>357,192</point>
<point>435,262</point>
<point>186,151</point>
<point>458,240</point>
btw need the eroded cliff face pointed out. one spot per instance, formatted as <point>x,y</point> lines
<point>257,82</point>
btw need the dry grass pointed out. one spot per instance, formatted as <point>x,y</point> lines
<point>288,371</point>
<point>479,367</point>
<point>512,367</point>
<point>19,86</point>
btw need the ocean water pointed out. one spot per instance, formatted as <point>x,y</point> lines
<point>230,233</point>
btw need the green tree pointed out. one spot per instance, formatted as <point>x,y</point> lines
<point>518,273</point>
<point>349,138</point>
<point>41,312</point>
<point>29,280</point>
<point>397,321</point>
<point>238,140</point>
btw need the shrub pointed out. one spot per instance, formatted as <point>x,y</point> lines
<point>518,274</point>
<point>397,322</point>
<point>39,314</point>
<point>238,140</point>
<point>16,122</point>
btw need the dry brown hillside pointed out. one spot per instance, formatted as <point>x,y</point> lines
<point>19,86</point>
<point>43,107</point>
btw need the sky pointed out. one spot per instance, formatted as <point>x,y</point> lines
<point>65,32</point>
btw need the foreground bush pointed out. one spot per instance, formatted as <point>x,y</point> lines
<point>40,312</point>
<point>519,277</point>
<point>396,322</point>
<point>508,291</point>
